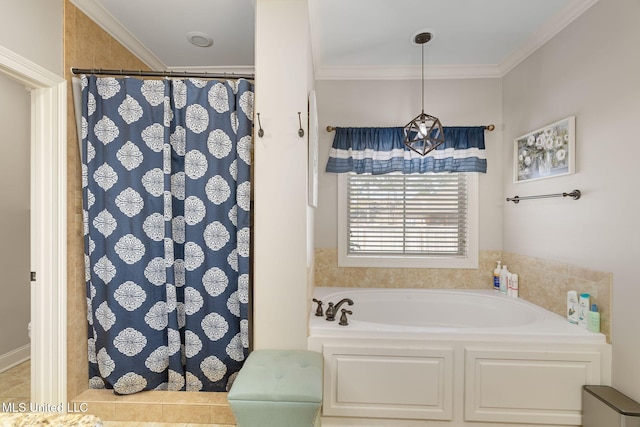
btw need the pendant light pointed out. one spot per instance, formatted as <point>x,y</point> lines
<point>424,133</point>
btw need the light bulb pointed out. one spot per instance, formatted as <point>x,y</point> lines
<point>422,129</point>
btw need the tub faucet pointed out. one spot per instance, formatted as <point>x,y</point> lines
<point>333,309</point>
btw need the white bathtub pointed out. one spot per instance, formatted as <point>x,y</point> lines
<point>455,358</point>
<point>460,314</point>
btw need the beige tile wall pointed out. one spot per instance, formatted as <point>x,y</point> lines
<point>327,273</point>
<point>544,283</point>
<point>86,45</point>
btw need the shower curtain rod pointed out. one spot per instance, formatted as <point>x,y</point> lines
<point>176,74</point>
<point>489,128</point>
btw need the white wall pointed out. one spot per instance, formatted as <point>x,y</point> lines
<point>15,107</point>
<point>394,103</point>
<point>33,29</point>
<point>280,178</point>
<point>590,70</point>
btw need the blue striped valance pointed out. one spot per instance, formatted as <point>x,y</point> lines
<point>381,150</point>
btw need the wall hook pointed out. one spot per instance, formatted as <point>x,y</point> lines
<point>300,131</point>
<point>260,131</point>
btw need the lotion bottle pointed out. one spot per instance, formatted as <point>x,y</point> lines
<point>496,277</point>
<point>504,280</point>
<point>572,307</point>
<point>594,319</point>
<point>583,310</point>
<point>513,285</point>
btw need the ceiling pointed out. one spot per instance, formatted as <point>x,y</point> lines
<point>351,39</point>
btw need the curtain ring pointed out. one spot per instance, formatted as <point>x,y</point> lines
<point>300,131</point>
<point>260,131</point>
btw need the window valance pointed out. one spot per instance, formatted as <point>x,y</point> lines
<point>382,150</point>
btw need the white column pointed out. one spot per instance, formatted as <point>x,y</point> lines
<point>280,174</point>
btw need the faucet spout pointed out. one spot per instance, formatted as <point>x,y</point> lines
<point>332,309</point>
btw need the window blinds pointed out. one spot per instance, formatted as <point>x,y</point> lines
<point>417,215</point>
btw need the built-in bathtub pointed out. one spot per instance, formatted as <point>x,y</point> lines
<point>454,358</point>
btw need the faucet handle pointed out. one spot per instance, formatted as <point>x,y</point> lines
<point>319,308</point>
<point>343,318</point>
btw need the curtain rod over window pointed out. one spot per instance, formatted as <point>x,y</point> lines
<point>176,74</point>
<point>489,128</point>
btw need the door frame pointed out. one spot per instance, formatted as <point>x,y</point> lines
<point>48,225</point>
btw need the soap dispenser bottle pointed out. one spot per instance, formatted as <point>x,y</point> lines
<point>583,310</point>
<point>513,285</point>
<point>572,307</point>
<point>496,277</point>
<point>504,280</point>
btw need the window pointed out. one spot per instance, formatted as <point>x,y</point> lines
<point>396,220</point>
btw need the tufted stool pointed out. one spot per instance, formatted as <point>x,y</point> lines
<point>278,388</point>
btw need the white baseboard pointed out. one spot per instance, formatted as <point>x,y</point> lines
<point>15,357</point>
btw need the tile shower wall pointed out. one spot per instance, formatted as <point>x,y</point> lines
<point>86,45</point>
<point>544,283</point>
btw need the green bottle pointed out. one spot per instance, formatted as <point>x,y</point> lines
<point>593,323</point>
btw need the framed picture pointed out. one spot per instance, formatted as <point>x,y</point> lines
<point>546,152</point>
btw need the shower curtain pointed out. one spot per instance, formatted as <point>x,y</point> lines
<point>166,194</point>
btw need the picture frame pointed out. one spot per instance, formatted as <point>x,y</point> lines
<point>547,152</point>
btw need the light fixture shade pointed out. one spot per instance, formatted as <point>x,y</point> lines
<point>423,134</point>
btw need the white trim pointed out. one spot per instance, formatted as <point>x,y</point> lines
<point>111,25</point>
<point>48,225</point>
<point>15,357</point>
<point>470,261</point>
<point>407,72</point>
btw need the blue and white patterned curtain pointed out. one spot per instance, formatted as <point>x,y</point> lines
<point>381,150</point>
<point>166,184</point>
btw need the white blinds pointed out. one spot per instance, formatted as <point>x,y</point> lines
<point>394,214</point>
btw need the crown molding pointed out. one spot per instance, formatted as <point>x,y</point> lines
<point>408,72</point>
<point>111,25</point>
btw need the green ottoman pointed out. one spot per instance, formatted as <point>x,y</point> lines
<point>278,388</point>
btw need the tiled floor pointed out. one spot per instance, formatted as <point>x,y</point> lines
<point>15,383</point>
<point>15,387</point>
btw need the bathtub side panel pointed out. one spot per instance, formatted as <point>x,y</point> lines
<point>505,384</point>
<point>388,382</point>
